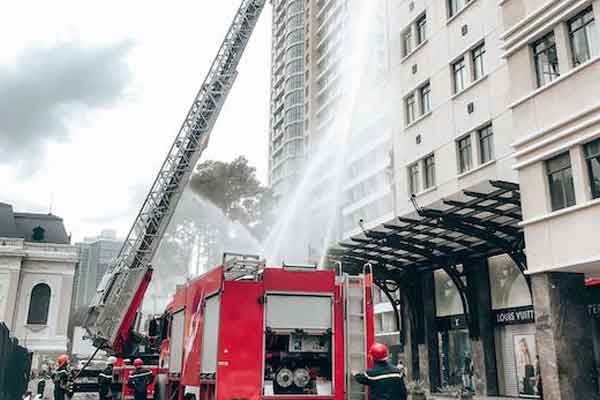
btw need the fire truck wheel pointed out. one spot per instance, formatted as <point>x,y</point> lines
<point>189,396</point>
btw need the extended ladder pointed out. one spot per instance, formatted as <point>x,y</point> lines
<point>355,294</point>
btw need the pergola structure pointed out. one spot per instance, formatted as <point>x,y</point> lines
<point>474,224</point>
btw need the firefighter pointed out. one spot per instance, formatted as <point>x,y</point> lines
<point>386,381</point>
<point>139,380</point>
<point>63,385</point>
<point>105,379</point>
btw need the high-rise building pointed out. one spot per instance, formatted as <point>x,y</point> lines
<point>96,256</point>
<point>286,144</point>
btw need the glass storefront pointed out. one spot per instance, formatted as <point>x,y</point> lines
<point>514,334</point>
<point>456,364</point>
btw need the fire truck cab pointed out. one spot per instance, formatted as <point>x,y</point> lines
<point>246,331</point>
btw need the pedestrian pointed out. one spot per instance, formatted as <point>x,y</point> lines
<point>385,381</point>
<point>467,375</point>
<point>105,380</point>
<point>139,380</point>
<point>63,385</point>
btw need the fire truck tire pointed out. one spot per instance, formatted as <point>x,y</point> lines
<point>189,396</point>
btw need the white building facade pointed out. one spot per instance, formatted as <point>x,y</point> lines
<point>37,264</point>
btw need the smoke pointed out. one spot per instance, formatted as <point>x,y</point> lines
<point>198,235</point>
<point>46,85</point>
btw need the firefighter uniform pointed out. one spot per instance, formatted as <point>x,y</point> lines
<point>386,382</point>
<point>62,383</point>
<point>138,381</point>
<point>105,380</point>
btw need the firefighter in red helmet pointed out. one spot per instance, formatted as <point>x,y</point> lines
<point>386,381</point>
<point>139,380</point>
<point>63,385</point>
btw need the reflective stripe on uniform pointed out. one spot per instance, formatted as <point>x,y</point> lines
<point>384,376</point>
<point>133,376</point>
<point>106,376</point>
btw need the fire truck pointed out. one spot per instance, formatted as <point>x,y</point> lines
<point>243,330</point>
<point>246,331</point>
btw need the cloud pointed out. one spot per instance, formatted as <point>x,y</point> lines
<point>46,85</point>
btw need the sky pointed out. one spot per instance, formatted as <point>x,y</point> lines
<point>93,93</point>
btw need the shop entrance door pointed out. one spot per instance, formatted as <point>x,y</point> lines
<point>456,365</point>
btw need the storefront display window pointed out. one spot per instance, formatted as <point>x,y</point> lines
<point>447,298</point>
<point>527,363</point>
<point>456,363</point>
<point>508,285</point>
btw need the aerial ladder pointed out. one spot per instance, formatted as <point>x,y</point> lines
<point>110,319</point>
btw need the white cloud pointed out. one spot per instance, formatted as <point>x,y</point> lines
<point>111,155</point>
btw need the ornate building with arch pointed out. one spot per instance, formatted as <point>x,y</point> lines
<point>37,265</point>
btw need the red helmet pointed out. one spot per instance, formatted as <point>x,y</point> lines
<point>379,352</point>
<point>62,360</point>
<point>138,362</point>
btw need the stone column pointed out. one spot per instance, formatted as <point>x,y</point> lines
<point>429,351</point>
<point>483,346</point>
<point>411,348</point>
<point>563,337</point>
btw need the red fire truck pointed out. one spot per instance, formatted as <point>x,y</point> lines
<point>246,331</point>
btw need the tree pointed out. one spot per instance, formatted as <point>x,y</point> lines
<point>234,188</point>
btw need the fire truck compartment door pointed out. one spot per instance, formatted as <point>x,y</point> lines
<point>177,328</point>
<point>210,335</point>
<point>298,312</point>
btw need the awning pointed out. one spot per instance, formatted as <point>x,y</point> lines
<point>482,221</point>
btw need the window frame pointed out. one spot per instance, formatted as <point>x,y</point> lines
<point>410,108</point>
<point>561,173</point>
<point>489,133</point>
<point>455,6</point>
<point>407,41</point>
<point>543,78</point>
<point>585,27</point>
<point>477,59</point>
<point>45,312</point>
<point>429,181</point>
<point>459,71</point>
<point>413,178</point>
<point>464,164</point>
<point>589,157</point>
<point>421,25</point>
<point>425,94</point>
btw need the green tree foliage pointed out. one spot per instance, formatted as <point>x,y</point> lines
<point>235,189</point>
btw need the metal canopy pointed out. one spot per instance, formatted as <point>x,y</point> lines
<point>476,223</point>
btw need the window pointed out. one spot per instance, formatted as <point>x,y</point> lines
<point>413,178</point>
<point>560,179</point>
<point>458,70</point>
<point>410,109</point>
<point>545,59</point>
<point>486,143</point>
<point>421,29</point>
<point>583,37</point>
<point>477,55</point>
<point>425,98</point>
<point>464,154</point>
<point>592,158</point>
<point>455,6</point>
<point>39,305</point>
<point>407,42</point>
<point>429,171</point>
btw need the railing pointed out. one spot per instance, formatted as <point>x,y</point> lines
<point>11,242</point>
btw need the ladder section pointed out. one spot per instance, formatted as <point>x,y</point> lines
<point>356,335</point>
